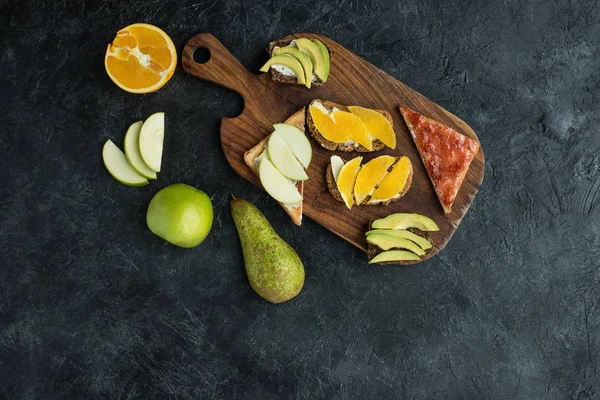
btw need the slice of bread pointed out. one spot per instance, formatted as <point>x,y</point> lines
<point>347,147</point>
<point>373,250</point>
<point>278,76</point>
<point>441,131</point>
<point>297,119</point>
<point>333,189</point>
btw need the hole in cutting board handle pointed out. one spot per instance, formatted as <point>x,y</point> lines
<point>201,55</point>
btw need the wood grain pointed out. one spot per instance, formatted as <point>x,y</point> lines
<point>353,81</point>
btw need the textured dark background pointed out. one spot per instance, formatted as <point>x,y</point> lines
<point>93,305</point>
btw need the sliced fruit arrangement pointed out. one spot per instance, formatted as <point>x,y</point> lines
<point>302,61</point>
<point>380,181</point>
<point>280,166</point>
<point>400,238</point>
<point>280,161</point>
<point>143,145</point>
<point>141,58</point>
<point>352,128</point>
<point>117,165</point>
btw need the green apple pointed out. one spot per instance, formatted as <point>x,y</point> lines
<point>287,61</point>
<point>117,165</point>
<point>180,214</point>
<point>283,159</point>
<point>132,151</point>
<point>297,141</point>
<point>278,186</point>
<point>151,140</point>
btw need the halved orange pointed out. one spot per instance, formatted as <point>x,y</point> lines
<point>376,124</point>
<point>346,180</point>
<point>327,127</point>
<point>141,58</point>
<point>394,182</point>
<point>370,175</point>
<point>357,130</point>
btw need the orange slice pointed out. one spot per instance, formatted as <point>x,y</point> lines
<point>376,124</point>
<point>357,130</point>
<point>327,126</point>
<point>394,182</point>
<point>347,178</point>
<point>141,58</point>
<point>370,175</point>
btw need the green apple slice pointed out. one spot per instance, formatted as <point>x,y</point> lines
<point>152,135</point>
<point>296,141</point>
<point>336,167</point>
<point>117,165</point>
<point>132,151</point>
<point>283,159</point>
<point>278,186</point>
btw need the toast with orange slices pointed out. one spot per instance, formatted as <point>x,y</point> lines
<point>379,182</point>
<point>252,158</point>
<point>349,129</point>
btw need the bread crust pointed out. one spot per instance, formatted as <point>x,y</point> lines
<point>278,76</point>
<point>446,207</point>
<point>333,189</point>
<point>373,250</point>
<point>297,119</point>
<point>329,145</point>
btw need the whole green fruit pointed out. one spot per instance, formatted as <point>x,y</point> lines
<point>180,214</point>
<point>274,269</point>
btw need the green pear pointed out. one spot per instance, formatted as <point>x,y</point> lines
<point>274,269</point>
<point>181,215</point>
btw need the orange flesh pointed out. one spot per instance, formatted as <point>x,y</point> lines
<point>377,125</point>
<point>371,174</point>
<point>141,58</point>
<point>394,182</point>
<point>347,179</point>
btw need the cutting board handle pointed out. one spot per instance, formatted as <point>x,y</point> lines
<point>222,68</point>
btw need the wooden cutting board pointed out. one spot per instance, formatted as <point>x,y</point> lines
<point>353,81</point>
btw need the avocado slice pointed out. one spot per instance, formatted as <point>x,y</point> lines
<point>405,221</point>
<point>395,255</point>
<point>287,61</point>
<point>387,242</point>
<point>304,59</point>
<point>422,242</point>
<point>325,54</point>
<point>316,57</point>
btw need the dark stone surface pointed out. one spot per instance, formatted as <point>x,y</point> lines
<point>93,305</point>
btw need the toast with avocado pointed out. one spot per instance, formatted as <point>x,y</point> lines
<point>300,61</point>
<point>326,140</point>
<point>374,250</point>
<point>400,238</point>
<point>253,156</point>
